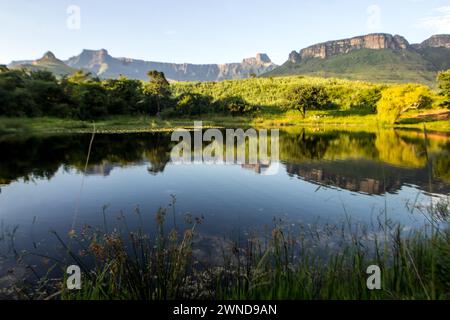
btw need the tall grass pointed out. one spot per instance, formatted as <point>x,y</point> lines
<point>310,262</point>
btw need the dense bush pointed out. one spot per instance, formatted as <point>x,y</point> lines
<point>269,93</point>
<point>193,104</point>
<point>235,106</point>
<point>398,99</point>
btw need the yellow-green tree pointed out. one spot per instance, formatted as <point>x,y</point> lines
<point>397,99</point>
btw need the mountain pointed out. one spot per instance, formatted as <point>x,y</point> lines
<point>102,64</point>
<point>373,57</point>
<point>106,66</point>
<point>48,62</point>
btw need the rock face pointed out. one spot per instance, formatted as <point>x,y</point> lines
<point>332,48</point>
<point>106,66</point>
<point>436,41</point>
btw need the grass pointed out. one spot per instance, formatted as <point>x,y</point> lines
<point>306,262</point>
<point>129,124</point>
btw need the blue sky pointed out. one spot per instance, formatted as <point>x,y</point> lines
<point>205,31</point>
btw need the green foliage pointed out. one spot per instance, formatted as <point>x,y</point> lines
<point>38,93</point>
<point>81,95</point>
<point>307,97</point>
<point>159,90</point>
<point>398,99</point>
<point>236,106</point>
<point>193,104</point>
<point>91,100</point>
<point>125,96</point>
<point>444,85</point>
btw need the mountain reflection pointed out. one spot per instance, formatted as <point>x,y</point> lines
<point>368,162</point>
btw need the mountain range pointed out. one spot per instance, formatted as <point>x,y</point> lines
<point>378,57</point>
<point>373,57</point>
<point>102,64</point>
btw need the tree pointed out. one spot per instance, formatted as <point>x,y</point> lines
<point>157,90</point>
<point>91,100</point>
<point>443,79</point>
<point>397,99</point>
<point>307,97</point>
<point>81,77</point>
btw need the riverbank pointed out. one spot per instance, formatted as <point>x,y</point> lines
<point>129,124</point>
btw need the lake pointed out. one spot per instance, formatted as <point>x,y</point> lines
<point>323,176</point>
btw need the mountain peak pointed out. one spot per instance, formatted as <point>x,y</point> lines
<point>49,56</point>
<point>259,59</point>
<point>263,57</point>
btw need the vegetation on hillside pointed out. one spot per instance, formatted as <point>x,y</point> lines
<point>84,97</point>
<point>385,66</point>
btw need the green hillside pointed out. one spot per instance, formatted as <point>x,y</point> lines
<point>385,65</point>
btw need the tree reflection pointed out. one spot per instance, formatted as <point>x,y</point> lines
<point>370,162</point>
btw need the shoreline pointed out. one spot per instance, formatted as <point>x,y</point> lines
<point>142,124</point>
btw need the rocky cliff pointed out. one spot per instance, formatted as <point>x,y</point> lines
<point>333,48</point>
<point>106,66</point>
<point>436,41</point>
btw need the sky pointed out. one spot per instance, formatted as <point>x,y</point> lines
<point>205,31</point>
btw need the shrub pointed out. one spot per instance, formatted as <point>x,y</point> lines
<point>235,106</point>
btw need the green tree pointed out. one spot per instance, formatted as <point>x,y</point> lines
<point>397,99</point>
<point>307,97</point>
<point>125,96</point>
<point>158,90</point>
<point>91,100</point>
<point>82,77</point>
<point>443,79</point>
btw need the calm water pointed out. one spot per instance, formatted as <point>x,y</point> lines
<point>322,175</point>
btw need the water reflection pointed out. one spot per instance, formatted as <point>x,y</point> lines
<point>368,162</point>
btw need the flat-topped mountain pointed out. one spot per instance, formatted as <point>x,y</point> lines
<point>106,66</point>
<point>328,49</point>
<point>101,63</point>
<point>373,57</point>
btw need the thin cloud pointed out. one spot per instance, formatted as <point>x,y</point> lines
<point>438,23</point>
